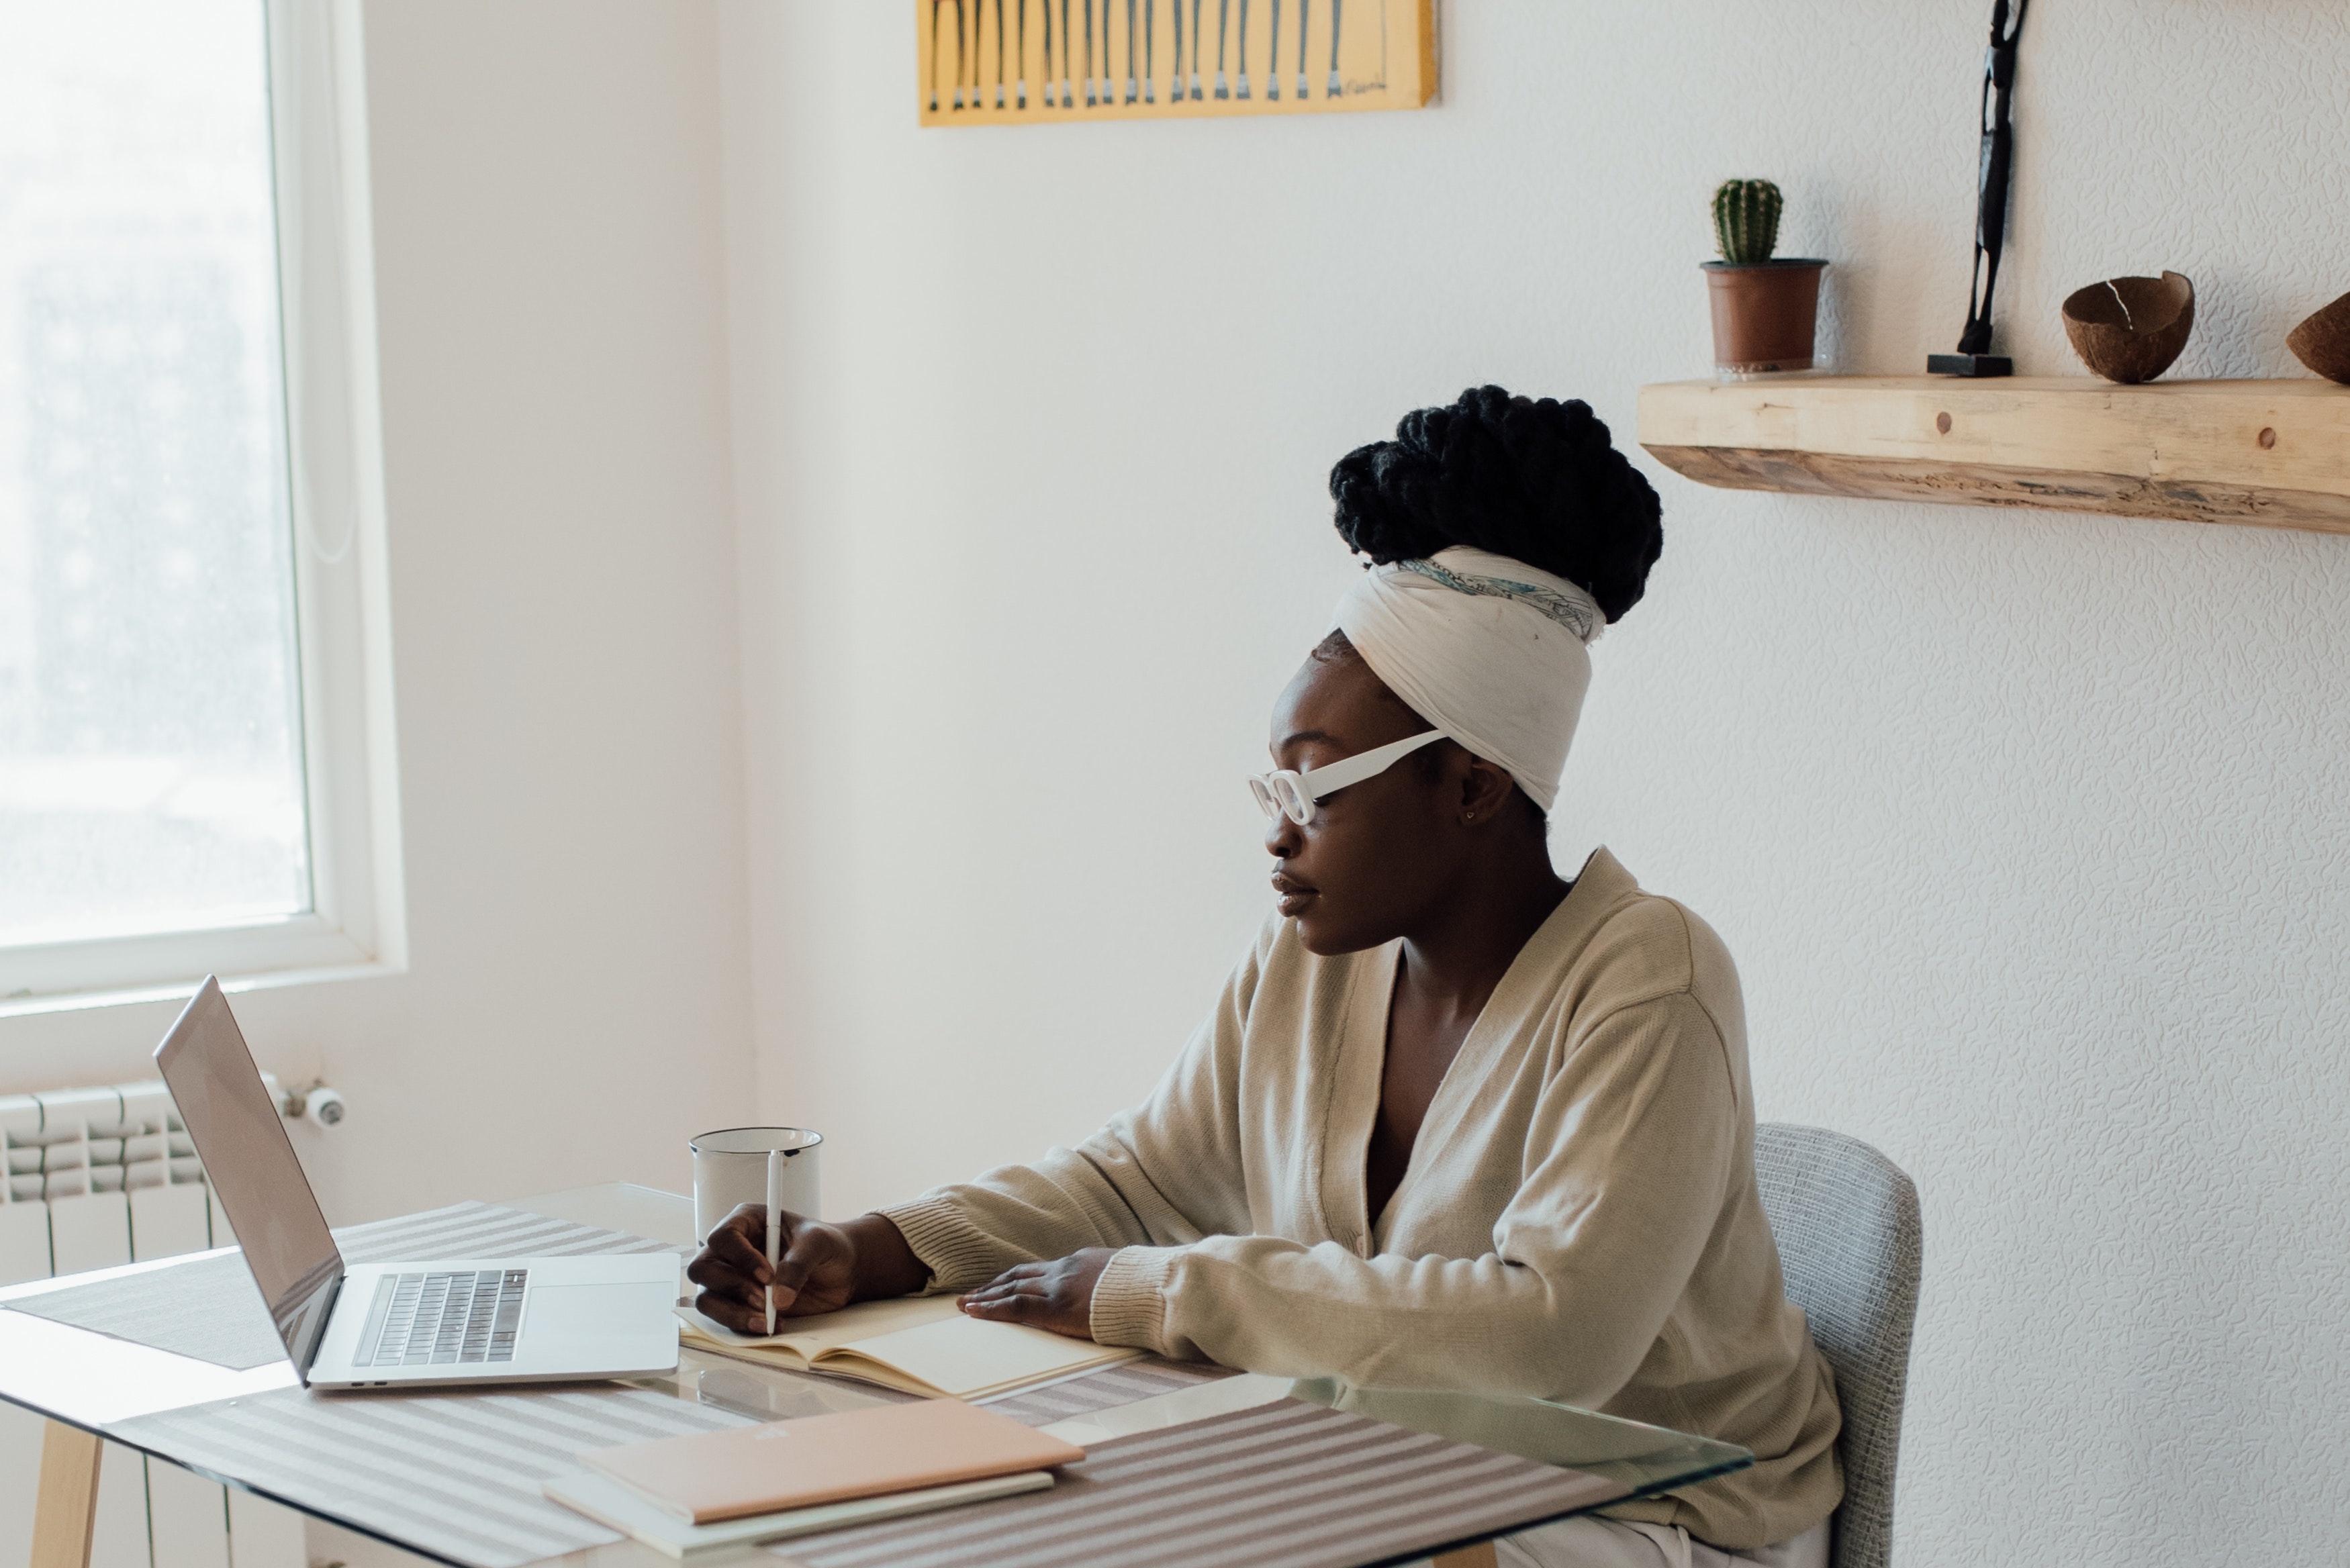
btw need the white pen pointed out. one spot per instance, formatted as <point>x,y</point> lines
<point>774,1226</point>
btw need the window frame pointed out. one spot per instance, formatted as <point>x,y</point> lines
<point>356,925</point>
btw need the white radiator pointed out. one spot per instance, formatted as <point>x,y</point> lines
<point>95,1177</point>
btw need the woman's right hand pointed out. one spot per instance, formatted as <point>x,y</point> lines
<point>822,1267</point>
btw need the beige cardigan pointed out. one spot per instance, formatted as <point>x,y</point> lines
<point>1578,1220</point>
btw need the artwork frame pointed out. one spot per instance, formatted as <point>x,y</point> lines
<point>1011,62</point>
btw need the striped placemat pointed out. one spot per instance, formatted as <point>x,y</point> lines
<point>1287,1485</point>
<point>485,1230</point>
<point>455,1475</point>
<point>206,1309</point>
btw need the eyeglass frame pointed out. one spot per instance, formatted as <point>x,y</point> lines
<point>1292,793</point>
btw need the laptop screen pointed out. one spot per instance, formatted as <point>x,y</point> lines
<point>250,1163</point>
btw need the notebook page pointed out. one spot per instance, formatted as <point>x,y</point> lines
<point>808,1337</point>
<point>969,1358</point>
<point>811,1336</point>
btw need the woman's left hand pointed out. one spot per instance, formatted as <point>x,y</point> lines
<point>1058,1295</point>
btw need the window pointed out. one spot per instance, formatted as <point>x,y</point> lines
<point>194,757</point>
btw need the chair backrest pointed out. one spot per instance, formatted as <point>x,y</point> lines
<point>1845,1219</point>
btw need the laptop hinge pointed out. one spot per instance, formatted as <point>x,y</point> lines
<point>318,1319</point>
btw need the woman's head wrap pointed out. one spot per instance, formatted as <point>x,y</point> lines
<point>1487,648</point>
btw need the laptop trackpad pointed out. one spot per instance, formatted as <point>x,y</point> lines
<point>592,1311</point>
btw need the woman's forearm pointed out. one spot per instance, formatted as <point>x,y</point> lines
<point>1484,1325</point>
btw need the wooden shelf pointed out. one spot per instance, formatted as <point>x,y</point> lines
<point>2271,453</point>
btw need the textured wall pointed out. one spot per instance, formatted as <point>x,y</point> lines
<point>2031,833</point>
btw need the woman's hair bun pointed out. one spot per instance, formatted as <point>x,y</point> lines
<point>1533,479</point>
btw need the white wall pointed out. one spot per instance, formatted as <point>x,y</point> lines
<point>548,267</point>
<point>2029,831</point>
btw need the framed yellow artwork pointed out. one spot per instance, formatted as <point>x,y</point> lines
<point>1006,62</point>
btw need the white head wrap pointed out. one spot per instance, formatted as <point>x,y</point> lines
<point>1487,648</point>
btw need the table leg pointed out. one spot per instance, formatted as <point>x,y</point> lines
<point>1478,1556</point>
<point>68,1499</point>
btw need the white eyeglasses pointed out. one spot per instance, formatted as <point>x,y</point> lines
<point>1292,793</point>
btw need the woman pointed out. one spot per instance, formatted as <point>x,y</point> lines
<point>1455,1123</point>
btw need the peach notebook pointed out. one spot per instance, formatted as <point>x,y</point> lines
<point>714,1476</point>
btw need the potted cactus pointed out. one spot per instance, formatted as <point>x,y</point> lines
<point>1765,310</point>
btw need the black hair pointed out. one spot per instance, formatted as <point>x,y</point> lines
<point>1533,479</point>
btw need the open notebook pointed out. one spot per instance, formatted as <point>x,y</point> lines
<point>922,1344</point>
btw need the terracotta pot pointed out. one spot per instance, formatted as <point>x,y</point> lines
<point>2323,342</point>
<point>1765,314</point>
<point>2129,330</point>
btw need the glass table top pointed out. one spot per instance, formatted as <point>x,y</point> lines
<point>1646,1459</point>
<point>96,1390</point>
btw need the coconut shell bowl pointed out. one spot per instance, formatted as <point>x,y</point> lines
<point>2323,342</point>
<point>2130,330</point>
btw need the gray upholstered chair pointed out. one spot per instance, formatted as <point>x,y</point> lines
<point>1845,1219</point>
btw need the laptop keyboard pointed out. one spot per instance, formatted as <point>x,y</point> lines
<point>443,1319</point>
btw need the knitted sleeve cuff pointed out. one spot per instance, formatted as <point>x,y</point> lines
<point>1129,1305</point>
<point>958,1253</point>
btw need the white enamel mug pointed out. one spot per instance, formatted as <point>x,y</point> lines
<point>730,1169</point>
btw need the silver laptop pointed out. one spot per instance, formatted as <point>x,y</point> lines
<point>383,1325</point>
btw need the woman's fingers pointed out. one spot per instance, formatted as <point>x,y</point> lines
<point>1034,1309</point>
<point>726,1254</point>
<point>751,1219</point>
<point>727,1249</point>
<point>1017,1273</point>
<point>733,1264</point>
<point>1007,1307</point>
<point>1016,1290</point>
<point>981,1298</point>
<point>1057,1294</point>
<point>791,1272</point>
<point>747,1224</point>
<point>745,1229</point>
<point>1011,1280</point>
<point>734,1314</point>
<point>717,1280</point>
<point>723,1277</point>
